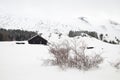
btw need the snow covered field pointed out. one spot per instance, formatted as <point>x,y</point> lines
<point>54,20</point>
<point>25,62</point>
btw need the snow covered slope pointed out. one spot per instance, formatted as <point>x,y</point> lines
<point>25,62</point>
<point>110,29</point>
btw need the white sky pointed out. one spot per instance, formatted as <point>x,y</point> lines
<point>60,9</point>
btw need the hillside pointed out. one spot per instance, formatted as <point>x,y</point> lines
<point>107,30</point>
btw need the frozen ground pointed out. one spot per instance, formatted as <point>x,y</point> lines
<point>25,62</point>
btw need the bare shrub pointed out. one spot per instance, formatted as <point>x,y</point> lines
<point>115,64</point>
<point>73,56</point>
<point>60,53</point>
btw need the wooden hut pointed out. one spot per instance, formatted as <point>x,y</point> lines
<point>37,39</point>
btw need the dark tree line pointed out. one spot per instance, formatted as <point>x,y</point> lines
<point>80,33</point>
<point>15,35</point>
<point>93,34</point>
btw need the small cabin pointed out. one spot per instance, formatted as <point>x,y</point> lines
<point>37,39</point>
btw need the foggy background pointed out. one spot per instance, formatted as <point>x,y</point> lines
<point>61,9</point>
